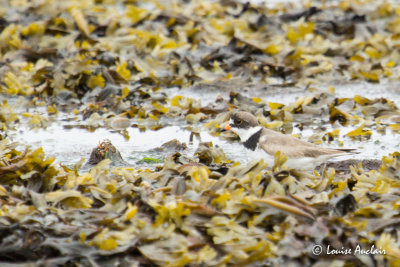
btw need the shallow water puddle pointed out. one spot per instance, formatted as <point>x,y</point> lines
<point>70,145</point>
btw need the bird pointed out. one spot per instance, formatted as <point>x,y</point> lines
<point>263,143</point>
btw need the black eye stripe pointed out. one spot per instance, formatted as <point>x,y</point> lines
<point>243,124</point>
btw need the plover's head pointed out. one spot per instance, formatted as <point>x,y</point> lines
<point>244,124</point>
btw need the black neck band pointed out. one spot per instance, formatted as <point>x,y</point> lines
<point>251,143</point>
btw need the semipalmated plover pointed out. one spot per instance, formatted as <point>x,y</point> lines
<point>264,143</point>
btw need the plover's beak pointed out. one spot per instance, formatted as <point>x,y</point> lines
<point>227,127</point>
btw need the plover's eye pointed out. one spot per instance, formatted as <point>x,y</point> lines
<point>238,121</point>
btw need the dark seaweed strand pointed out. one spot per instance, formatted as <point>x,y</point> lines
<point>252,142</point>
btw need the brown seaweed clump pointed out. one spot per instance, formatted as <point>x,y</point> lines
<point>105,150</point>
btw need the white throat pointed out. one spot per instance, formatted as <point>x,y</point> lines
<point>245,134</point>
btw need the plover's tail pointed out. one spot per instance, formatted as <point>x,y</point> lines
<point>348,150</point>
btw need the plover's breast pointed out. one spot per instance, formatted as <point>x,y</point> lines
<point>259,154</point>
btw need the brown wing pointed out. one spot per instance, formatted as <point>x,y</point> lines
<point>292,147</point>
